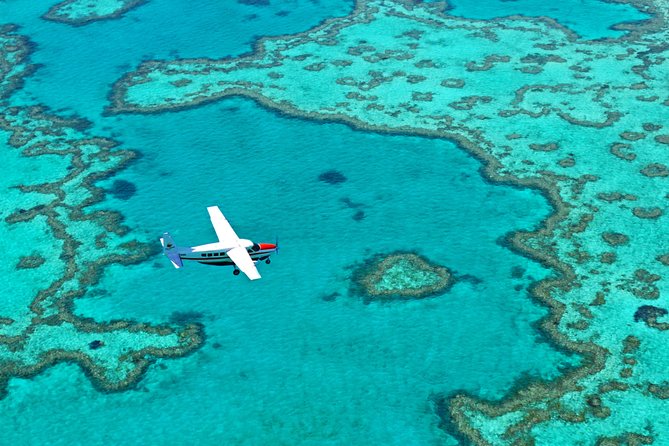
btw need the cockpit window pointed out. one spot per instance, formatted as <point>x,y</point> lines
<point>255,247</point>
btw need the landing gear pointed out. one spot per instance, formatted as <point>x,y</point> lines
<point>268,261</point>
<point>235,272</point>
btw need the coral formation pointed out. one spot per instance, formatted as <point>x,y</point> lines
<point>31,261</point>
<point>332,177</point>
<point>82,12</point>
<point>400,275</point>
<point>542,109</point>
<point>122,189</point>
<point>52,215</point>
<point>14,65</point>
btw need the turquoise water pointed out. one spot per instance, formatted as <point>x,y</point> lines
<point>282,365</point>
<point>577,15</point>
<point>304,362</point>
<point>156,30</point>
<point>279,359</point>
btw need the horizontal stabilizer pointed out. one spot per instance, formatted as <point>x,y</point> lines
<point>175,259</point>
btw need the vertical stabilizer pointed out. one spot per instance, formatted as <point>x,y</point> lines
<point>170,250</point>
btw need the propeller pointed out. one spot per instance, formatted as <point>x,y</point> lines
<point>276,242</point>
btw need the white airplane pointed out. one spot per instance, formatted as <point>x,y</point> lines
<point>229,250</point>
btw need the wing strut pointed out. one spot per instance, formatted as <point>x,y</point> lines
<point>244,262</point>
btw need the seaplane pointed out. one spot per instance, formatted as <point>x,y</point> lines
<point>230,250</point>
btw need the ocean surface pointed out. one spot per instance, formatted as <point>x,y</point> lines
<point>284,363</point>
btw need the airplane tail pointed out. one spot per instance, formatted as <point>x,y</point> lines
<point>170,250</point>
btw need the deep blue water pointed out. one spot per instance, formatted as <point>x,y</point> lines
<point>281,365</point>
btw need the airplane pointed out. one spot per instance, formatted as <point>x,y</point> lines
<point>229,250</point>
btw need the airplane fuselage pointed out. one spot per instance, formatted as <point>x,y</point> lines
<point>215,254</point>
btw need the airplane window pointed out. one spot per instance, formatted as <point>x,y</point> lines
<point>208,254</point>
<point>203,255</point>
<point>255,247</point>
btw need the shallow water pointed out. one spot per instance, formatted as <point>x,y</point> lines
<point>577,15</point>
<point>302,362</point>
<point>281,365</point>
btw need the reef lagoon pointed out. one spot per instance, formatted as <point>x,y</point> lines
<point>470,200</point>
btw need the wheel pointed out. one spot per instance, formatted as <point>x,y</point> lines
<point>235,272</point>
<point>268,261</point>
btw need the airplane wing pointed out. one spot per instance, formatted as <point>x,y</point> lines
<point>243,261</point>
<point>228,237</point>
<point>224,231</point>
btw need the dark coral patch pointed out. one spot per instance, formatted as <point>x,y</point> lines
<point>615,238</point>
<point>517,272</point>
<point>332,177</point>
<point>330,297</point>
<point>632,136</point>
<point>359,216</point>
<point>122,189</point>
<point>546,147</point>
<point>452,83</point>
<point>611,197</point>
<point>647,213</point>
<point>623,151</point>
<point>567,162</point>
<point>185,317</point>
<point>254,2</point>
<point>642,284</point>
<point>650,127</point>
<point>470,278</point>
<point>94,345</point>
<point>350,203</point>
<point>655,170</point>
<point>31,261</point>
<point>607,257</point>
<point>647,313</point>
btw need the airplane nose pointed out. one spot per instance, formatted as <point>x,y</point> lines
<point>267,246</point>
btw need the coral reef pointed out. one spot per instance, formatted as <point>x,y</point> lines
<point>31,261</point>
<point>332,177</point>
<point>400,275</point>
<point>541,108</point>
<point>14,66</point>
<point>58,164</point>
<point>83,12</point>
